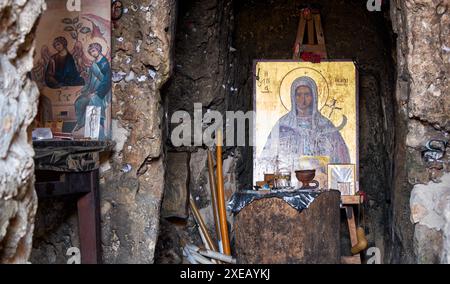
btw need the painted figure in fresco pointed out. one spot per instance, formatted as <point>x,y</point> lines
<point>62,70</point>
<point>40,67</point>
<point>97,91</point>
<point>81,60</point>
<point>304,131</point>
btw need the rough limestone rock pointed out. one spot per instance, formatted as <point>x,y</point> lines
<point>200,73</point>
<point>429,61</point>
<point>18,106</point>
<point>131,199</point>
<point>423,100</point>
<point>445,257</point>
<point>430,212</point>
<point>176,190</point>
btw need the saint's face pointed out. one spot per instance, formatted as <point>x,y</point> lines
<point>58,46</point>
<point>94,52</point>
<point>304,100</point>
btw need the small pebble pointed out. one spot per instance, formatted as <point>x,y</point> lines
<point>142,78</point>
<point>118,76</point>
<point>126,168</point>
<point>152,73</point>
<point>130,77</point>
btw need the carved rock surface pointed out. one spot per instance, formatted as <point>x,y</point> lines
<point>131,200</point>
<point>423,113</point>
<point>176,190</point>
<point>430,212</point>
<point>18,105</point>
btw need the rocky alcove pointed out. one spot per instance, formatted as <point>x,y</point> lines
<point>200,51</point>
<point>229,35</point>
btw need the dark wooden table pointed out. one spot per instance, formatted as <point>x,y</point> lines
<point>72,168</point>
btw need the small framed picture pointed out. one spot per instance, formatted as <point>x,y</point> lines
<point>92,125</point>
<point>343,178</point>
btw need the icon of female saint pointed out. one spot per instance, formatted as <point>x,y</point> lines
<point>304,131</point>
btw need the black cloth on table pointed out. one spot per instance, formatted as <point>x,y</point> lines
<point>298,199</point>
<point>69,155</point>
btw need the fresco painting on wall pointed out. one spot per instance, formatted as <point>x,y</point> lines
<point>306,117</point>
<point>72,67</point>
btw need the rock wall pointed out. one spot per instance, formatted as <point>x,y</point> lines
<point>202,74</point>
<point>132,178</point>
<point>130,200</point>
<point>18,106</point>
<point>419,217</point>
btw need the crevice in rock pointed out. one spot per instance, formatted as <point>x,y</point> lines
<point>230,36</point>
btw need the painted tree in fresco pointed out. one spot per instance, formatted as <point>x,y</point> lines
<point>75,27</point>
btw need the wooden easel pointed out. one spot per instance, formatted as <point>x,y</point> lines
<point>310,24</point>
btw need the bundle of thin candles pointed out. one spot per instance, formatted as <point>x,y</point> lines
<point>217,253</point>
<point>196,255</point>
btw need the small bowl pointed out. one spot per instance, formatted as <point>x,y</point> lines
<point>305,176</point>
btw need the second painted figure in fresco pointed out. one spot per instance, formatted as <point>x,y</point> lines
<point>97,91</point>
<point>304,131</point>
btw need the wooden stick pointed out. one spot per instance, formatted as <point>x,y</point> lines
<point>300,36</point>
<point>310,24</point>
<point>212,182</point>
<point>203,237</point>
<point>205,242</point>
<point>221,197</point>
<point>201,224</point>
